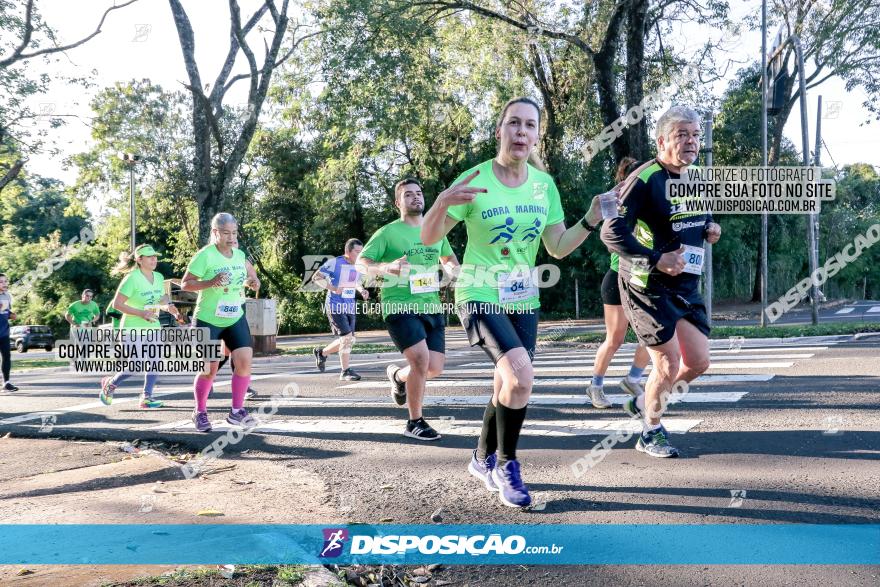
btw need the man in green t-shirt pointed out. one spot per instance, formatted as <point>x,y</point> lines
<point>410,273</point>
<point>84,312</point>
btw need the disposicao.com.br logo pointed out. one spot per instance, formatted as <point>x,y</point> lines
<point>476,545</point>
<point>334,542</point>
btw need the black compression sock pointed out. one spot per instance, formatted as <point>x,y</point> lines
<point>509,424</point>
<point>489,434</point>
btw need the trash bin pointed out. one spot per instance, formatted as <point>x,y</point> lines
<point>263,323</point>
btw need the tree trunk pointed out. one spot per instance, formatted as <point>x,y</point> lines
<point>553,131</point>
<point>637,135</point>
<point>603,62</point>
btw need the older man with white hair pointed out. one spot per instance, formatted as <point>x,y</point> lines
<point>659,286</point>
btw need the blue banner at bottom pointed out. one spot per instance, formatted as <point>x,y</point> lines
<point>655,544</point>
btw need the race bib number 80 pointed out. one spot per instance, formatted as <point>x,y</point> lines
<point>693,258</point>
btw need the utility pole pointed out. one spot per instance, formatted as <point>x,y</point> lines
<point>805,136</point>
<point>817,161</point>
<point>130,160</point>
<point>707,277</point>
<point>764,82</point>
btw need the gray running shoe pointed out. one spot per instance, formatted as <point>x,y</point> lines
<point>349,375</point>
<point>597,397</point>
<point>633,388</point>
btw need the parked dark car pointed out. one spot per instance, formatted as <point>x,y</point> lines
<point>31,336</point>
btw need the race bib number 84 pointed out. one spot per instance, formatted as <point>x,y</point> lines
<point>515,287</point>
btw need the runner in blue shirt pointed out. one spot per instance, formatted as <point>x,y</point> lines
<point>341,280</point>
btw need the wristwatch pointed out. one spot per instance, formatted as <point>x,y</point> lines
<point>587,225</point>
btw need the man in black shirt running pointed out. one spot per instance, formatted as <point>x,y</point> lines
<point>659,286</point>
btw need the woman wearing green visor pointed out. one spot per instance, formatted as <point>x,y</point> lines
<point>139,298</point>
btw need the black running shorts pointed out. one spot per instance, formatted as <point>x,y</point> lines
<point>653,315</point>
<point>610,291</point>
<point>409,329</point>
<point>341,324</point>
<point>497,331</point>
<point>234,337</point>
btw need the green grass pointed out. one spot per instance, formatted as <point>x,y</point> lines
<point>19,364</point>
<point>247,575</point>
<point>722,332</point>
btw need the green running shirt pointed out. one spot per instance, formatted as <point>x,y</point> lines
<point>223,305</point>
<point>142,295</point>
<point>504,228</point>
<point>418,293</point>
<point>83,312</point>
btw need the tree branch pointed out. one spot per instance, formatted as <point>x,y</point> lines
<point>20,55</point>
<point>11,174</point>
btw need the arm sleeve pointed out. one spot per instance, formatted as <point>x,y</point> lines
<point>709,220</point>
<point>376,247</point>
<point>445,248</point>
<point>459,212</point>
<point>555,215</point>
<point>196,266</point>
<point>127,285</point>
<point>328,269</point>
<point>617,233</point>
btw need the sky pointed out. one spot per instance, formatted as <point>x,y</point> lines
<point>140,42</point>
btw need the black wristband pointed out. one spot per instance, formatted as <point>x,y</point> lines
<point>587,225</point>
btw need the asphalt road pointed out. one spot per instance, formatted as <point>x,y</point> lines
<point>774,433</point>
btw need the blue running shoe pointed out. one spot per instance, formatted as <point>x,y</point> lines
<point>656,444</point>
<point>202,422</point>
<point>511,490</point>
<point>482,470</point>
<point>240,417</point>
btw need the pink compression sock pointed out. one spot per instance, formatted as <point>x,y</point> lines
<point>240,384</point>
<point>201,389</point>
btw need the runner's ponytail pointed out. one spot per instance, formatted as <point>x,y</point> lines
<point>126,263</point>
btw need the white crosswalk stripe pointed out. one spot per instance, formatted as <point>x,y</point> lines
<point>627,358</point>
<point>588,368</point>
<point>845,310</point>
<point>349,427</point>
<point>482,400</point>
<point>565,381</point>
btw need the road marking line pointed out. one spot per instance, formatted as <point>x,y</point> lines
<point>627,360</point>
<point>448,427</point>
<point>771,352</point>
<point>159,393</point>
<point>567,381</point>
<point>873,310</point>
<point>481,400</point>
<point>589,367</point>
<point>845,311</point>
